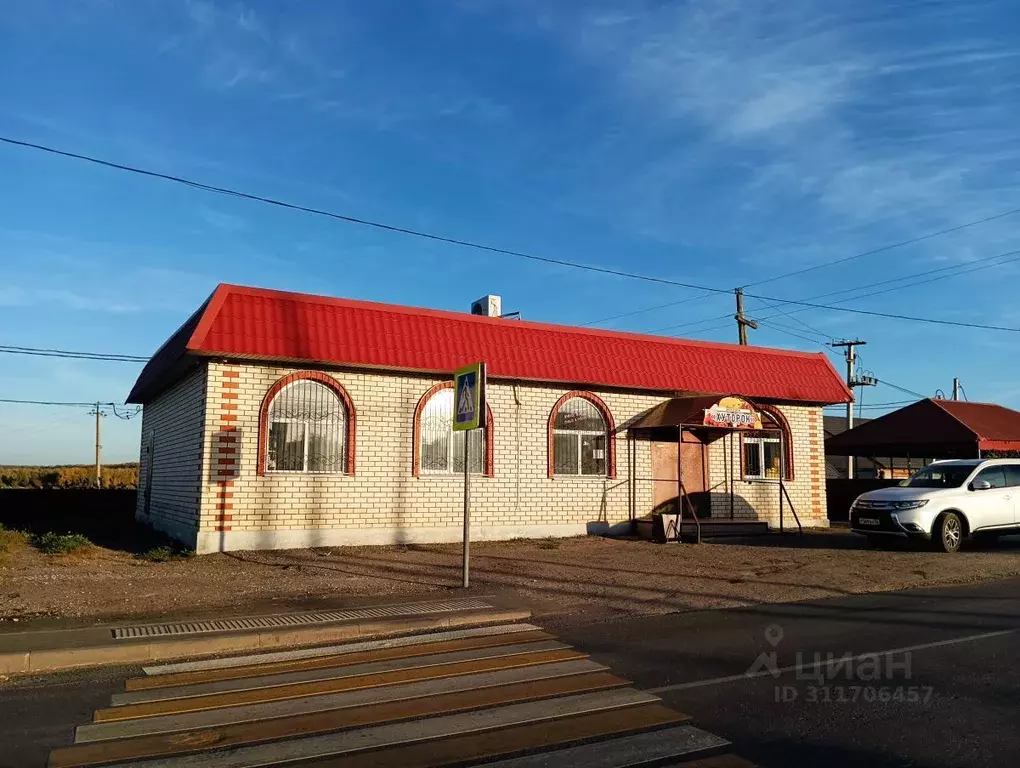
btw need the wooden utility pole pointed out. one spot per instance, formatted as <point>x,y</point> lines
<point>743,323</point>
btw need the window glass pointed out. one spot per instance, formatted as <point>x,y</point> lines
<point>286,446</point>
<point>477,438</point>
<point>752,458</point>
<point>307,429</point>
<point>762,456</point>
<point>939,476</point>
<point>770,452</point>
<point>580,439</point>
<point>994,475</point>
<point>1013,474</point>
<point>565,454</point>
<point>593,454</point>
<point>441,450</point>
<point>579,415</point>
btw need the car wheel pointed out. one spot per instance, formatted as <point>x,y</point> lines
<point>948,533</point>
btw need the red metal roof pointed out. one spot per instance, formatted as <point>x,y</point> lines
<point>992,424</point>
<point>258,324</point>
<point>932,428</point>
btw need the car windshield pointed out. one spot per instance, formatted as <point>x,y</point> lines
<point>935,476</point>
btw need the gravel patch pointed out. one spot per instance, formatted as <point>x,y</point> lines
<point>571,580</point>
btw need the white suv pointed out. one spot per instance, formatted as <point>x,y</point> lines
<point>943,503</point>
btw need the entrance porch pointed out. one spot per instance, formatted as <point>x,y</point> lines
<point>699,457</point>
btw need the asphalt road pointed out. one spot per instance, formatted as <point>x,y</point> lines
<point>963,668</point>
<point>958,703</point>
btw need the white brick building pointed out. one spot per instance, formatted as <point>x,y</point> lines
<point>276,420</point>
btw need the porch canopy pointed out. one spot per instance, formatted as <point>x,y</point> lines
<point>716,415</point>
<point>934,429</point>
<point>713,411</point>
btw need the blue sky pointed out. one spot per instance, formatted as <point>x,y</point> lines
<point>715,142</point>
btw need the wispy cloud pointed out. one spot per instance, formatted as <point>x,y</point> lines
<point>812,130</point>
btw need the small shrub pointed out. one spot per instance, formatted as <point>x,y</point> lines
<point>160,554</point>
<point>61,544</point>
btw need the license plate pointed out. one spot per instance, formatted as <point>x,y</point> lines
<point>868,521</point>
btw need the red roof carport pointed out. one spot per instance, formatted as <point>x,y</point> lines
<point>936,429</point>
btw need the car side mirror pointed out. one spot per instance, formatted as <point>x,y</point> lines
<point>980,485</point>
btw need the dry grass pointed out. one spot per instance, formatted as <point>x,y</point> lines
<point>12,543</point>
<point>583,579</point>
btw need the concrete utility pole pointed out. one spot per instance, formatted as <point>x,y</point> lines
<point>956,388</point>
<point>743,323</point>
<point>99,446</point>
<point>852,381</point>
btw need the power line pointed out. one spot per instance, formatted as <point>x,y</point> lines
<point>789,332</point>
<point>893,315</point>
<point>902,389</point>
<point>650,309</point>
<point>53,402</point>
<point>494,249</point>
<point>790,315</point>
<point>71,354</point>
<point>963,270</point>
<point>845,259</point>
<point>357,220</point>
<point>885,248</point>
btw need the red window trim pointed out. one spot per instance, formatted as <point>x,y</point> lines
<point>322,378</point>
<point>787,437</point>
<point>610,431</point>
<point>488,466</point>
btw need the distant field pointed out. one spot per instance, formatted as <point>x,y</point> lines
<point>68,476</point>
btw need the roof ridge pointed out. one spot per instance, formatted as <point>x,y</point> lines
<point>953,416</point>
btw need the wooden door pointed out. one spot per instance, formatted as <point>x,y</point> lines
<point>694,474</point>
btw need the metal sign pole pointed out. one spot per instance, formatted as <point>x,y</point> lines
<point>465,565</point>
<point>468,414</point>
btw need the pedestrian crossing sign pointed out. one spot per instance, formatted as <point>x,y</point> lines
<point>469,397</point>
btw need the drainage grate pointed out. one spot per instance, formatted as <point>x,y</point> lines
<point>296,619</point>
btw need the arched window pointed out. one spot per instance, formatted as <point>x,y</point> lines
<point>438,450</point>
<point>768,450</point>
<point>580,437</point>
<point>307,425</point>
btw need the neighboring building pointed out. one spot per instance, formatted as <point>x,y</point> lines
<point>277,420</point>
<point>933,429</point>
<point>865,467</point>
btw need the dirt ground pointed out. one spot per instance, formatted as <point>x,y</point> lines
<point>579,580</point>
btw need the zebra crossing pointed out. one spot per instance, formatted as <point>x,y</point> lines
<point>511,696</point>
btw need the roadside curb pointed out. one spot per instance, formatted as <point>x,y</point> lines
<point>162,649</point>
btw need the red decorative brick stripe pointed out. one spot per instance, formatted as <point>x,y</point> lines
<point>226,450</point>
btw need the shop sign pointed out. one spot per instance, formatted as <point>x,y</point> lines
<point>732,413</point>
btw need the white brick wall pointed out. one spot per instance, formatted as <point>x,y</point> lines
<point>173,425</point>
<point>760,500</point>
<point>384,503</point>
